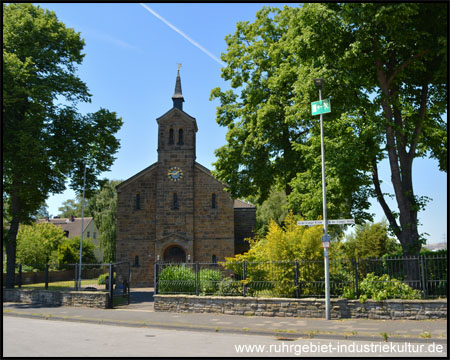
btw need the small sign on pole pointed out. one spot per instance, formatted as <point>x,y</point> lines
<point>321,107</point>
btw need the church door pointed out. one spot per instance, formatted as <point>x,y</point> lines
<point>175,254</point>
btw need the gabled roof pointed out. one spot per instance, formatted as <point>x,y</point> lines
<point>174,109</point>
<point>208,172</point>
<point>240,204</point>
<point>137,176</point>
<point>67,224</point>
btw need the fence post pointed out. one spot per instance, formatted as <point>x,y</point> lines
<point>155,278</point>
<point>196,279</point>
<point>46,276</point>
<point>243,278</point>
<point>355,268</point>
<point>110,284</point>
<point>128,281</point>
<point>424,284</point>
<point>297,295</point>
<point>20,276</point>
<point>76,277</point>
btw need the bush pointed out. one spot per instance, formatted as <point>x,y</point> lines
<point>176,280</point>
<point>229,287</point>
<point>69,252</point>
<point>381,288</point>
<point>102,278</point>
<point>209,281</point>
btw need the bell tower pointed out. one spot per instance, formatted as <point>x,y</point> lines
<point>175,184</point>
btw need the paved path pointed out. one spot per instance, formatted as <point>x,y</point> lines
<point>140,314</point>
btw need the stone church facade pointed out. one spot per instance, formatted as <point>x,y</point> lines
<point>175,210</point>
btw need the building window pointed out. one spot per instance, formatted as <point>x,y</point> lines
<point>171,137</point>
<point>136,261</point>
<point>138,201</point>
<point>94,235</point>
<point>180,137</point>
<point>213,201</point>
<point>214,259</point>
<point>88,234</point>
<point>175,201</point>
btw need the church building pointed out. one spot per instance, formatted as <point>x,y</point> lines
<point>175,210</point>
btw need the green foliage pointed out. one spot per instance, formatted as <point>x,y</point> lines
<point>273,208</point>
<point>383,287</point>
<point>388,86</point>
<point>283,245</point>
<point>370,240</point>
<point>229,287</point>
<point>103,206</point>
<point>69,252</point>
<point>38,243</point>
<point>176,279</point>
<point>209,281</point>
<point>73,207</point>
<point>102,278</point>
<point>46,139</point>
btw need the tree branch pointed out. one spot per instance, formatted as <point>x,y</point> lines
<point>380,197</point>
<point>405,64</point>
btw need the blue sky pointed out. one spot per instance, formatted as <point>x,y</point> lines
<point>130,67</point>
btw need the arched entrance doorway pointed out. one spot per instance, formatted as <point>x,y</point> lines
<point>175,254</point>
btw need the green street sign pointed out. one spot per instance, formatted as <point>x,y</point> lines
<point>321,107</point>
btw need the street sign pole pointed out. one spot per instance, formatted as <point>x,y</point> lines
<point>325,220</point>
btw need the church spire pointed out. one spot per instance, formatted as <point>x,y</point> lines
<point>177,97</point>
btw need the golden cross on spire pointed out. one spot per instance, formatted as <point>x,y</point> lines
<point>179,66</point>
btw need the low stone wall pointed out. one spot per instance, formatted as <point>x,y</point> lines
<point>304,308</point>
<point>57,298</point>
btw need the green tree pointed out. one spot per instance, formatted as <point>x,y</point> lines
<point>73,207</point>
<point>103,206</point>
<point>69,252</point>
<point>369,240</point>
<point>385,68</point>
<point>38,243</point>
<point>273,208</point>
<point>45,140</point>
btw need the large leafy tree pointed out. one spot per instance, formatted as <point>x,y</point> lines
<point>369,240</point>
<point>103,206</point>
<point>45,140</point>
<point>37,244</point>
<point>385,68</point>
<point>74,207</point>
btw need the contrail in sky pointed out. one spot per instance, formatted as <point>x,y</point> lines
<point>184,35</point>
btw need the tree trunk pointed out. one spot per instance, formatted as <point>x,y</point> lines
<point>11,241</point>
<point>11,253</point>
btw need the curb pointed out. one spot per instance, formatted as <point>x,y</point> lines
<point>288,335</point>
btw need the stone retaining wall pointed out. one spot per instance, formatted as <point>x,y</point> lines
<point>57,298</point>
<point>304,308</point>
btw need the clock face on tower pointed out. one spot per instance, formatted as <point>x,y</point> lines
<point>175,173</point>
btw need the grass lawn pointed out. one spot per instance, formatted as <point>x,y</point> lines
<point>60,285</point>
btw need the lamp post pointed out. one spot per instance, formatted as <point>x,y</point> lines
<point>318,83</point>
<point>82,218</point>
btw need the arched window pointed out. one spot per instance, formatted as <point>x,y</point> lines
<point>213,201</point>
<point>180,137</point>
<point>138,201</point>
<point>214,259</point>
<point>136,261</point>
<point>175,201</point>
<point>171,137</point>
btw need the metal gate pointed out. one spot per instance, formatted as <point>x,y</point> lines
<point>119,284</point>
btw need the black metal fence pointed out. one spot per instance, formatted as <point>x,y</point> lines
<point>114,278</point>
<point>306,278</point>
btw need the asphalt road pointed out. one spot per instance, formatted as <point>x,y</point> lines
<point>26,337</point>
